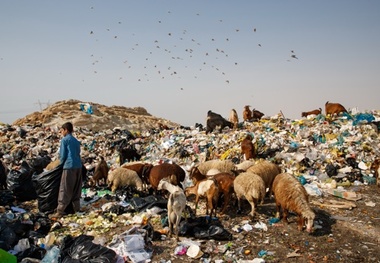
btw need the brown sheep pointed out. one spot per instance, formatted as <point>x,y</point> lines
<point>334,108</point>
<point>251,187</point>
<point>205,188</point>
<point>225,182</point>
<point>142,169</point>
<point>160,171</point>
<point>290,195</point>
<point>247,113</point>
<point>247,148</point>
<point>313,112</point>
<point>101,172</point>
<point>267,171</point>
<point>234,118</point>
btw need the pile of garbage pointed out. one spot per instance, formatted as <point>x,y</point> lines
<point>326,154</point>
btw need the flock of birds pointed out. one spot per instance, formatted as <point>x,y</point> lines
<point>185,53</point>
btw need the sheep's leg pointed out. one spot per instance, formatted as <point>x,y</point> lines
<point>278,208</point>
<point>301,222</point>
<point>238,204</point>
<point>253,202</point>
<point>285,215</point>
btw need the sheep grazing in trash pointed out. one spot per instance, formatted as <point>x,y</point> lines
<point>244,165</point>
<point>163,170</point>
<point>375,166</point>
<point>267,171</point>
<point>121,177</point>
<point>101,172</point>
<point>225,182</point>
<point>290,195</point>
<point>247,148</point>
<point>247,113</point>
<point>208,189</point>
<point>313,112</point>
<point>215,120</point>
<point>234,118</point>
<point>142,169</point>
<point>176,204</point>
<point>334,108</point>
<point>251,187</point>
<point>223,166</point>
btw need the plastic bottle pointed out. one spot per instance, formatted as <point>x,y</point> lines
<point>52,255</point>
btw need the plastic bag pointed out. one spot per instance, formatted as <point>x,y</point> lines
<point>47,188</point>
<point>82,249</point>
<point>20,183</point>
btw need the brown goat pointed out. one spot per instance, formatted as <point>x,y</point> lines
<point>163,170</point>
<point>334,108</point>
<point>225,182</point>
<point>313,112</point>
<point>247,113</point>
<point>256,115</point>
<point>101,172</point>
<point>375,166</point>
<point>234,118</point>
<point>290,195</point>
<point>205,188</point>
<point>247,148</point>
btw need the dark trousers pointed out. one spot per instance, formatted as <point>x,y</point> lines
<point>70,190</point>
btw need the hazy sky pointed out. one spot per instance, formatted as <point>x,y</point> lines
<point>179,59</point>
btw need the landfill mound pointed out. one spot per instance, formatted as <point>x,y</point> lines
<point>93,116</point>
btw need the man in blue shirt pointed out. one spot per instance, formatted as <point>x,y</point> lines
<point>71,182</point>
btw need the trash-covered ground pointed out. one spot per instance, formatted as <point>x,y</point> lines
<point>331,157</point>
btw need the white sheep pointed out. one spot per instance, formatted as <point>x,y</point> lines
<point>250,187</point>
<point>121,177</point>
<point>267,171</point>
<point>176,204</point>
<point>212,171</point>
<point>290,195</point>
<point>224,166</point>
<point>243,166</point>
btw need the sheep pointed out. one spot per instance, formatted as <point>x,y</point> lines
<point>121,177</point>
<point>234,118</point>
<point>243,166</point>
<point>290,195</point>
<point>142,169</point>
<point>267,171</point>
<point>224,182</point>
<point>334,108</point>
<point>101,172</point>
<point>251,187</point>
<point>212,171</point>
<point>247,148</point>
<point>247,114</point>
<point>256,115</point>
<point>215,120</point>
<point>205,188</point>
<point>313,112</point>
<point>176,204</point>
<point>160,171</point>
<point>225,166</point>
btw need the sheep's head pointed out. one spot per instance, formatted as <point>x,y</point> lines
<point>309,217</point>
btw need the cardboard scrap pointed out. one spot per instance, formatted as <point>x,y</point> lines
<point>345,194</point>
<point>335,204</point>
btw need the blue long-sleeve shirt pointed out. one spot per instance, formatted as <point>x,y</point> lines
<point>69,152</point>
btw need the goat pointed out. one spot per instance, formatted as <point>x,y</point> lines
<point>101,172</point>
<point>375,166</point>
<point>205,188</point>
<point>334,108</point>
<point>216,120</point>
<point>313,112</point>
<point>256,115</point>
<point>225,183</point>
<point>247,113</point>
<point>160,171</point>
<point>234,118</point>
<point>176,204</point>
<point>247,148</point>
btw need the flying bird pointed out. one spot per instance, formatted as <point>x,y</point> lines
<point>294,56</point>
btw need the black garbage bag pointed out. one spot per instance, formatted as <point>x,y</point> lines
<point>140,204</point>
<point>6,197</point>
<point>331,169</point>
<point>47,188</point>
<point>34,252</point>
<point>8,238</point>
<point>212,232</point>
<point>20,183</point>
<point>82,250</point>
<point>39,163</point>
